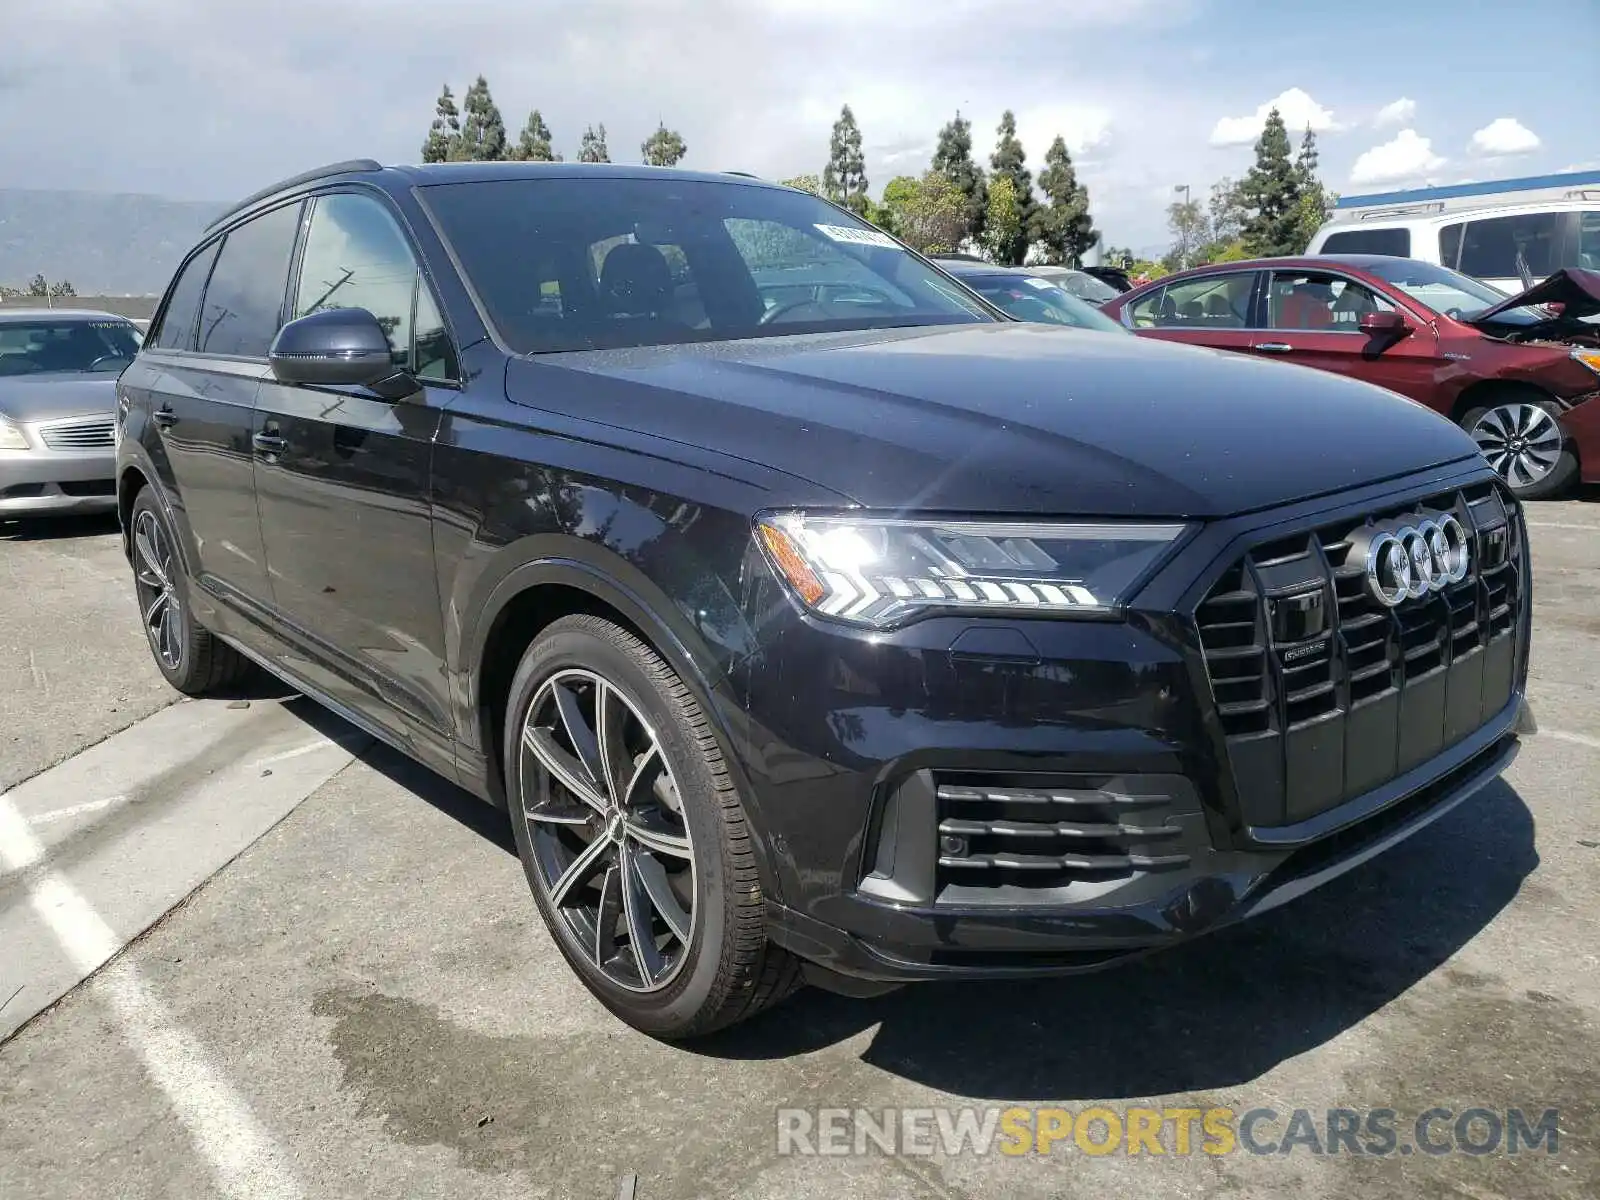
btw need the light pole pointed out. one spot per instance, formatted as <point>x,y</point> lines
<point>1184,256</point>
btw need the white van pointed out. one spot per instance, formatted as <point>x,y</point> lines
<point>1507,233</point>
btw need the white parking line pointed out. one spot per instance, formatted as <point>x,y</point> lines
<point>296,752</point>
<point>244,1158</point>
<point>1562,525</point>
<point>1577,739</point>
<point>74,810</point>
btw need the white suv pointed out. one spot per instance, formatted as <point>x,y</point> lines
<point>1491,244</point>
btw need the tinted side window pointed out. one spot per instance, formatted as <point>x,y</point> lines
<point>244,301</point>
<point>356,256</point>
<point>176,331</point>
<point>1491,248</point>
<point>1396,242</point>
<point>1450,245</point>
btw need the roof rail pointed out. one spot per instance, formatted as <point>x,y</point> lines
<point>745,174</point>
<point>338,168</point>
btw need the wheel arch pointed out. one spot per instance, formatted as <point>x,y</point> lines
<point>1481,393</point>
<point>537,593</point>
<point>130,482</point>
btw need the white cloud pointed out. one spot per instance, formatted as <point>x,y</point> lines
<point>1400,112</point>
<point>1507,135</point>
<point>1298,110</point>
<point>1085,128</point>
<point>1407,156</point>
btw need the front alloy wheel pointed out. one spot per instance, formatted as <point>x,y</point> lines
<point>612,852</point>
<point>158,598</point>
<point>1521,441</point>
<point>634,839</point>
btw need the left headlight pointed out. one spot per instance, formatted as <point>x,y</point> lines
<point>11,437</point>
<point>1589,358</point>
<point>882,571</point>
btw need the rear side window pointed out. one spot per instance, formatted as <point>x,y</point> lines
<point>1395,242</point>
<point>1497,247</point>
<point>244,301</point>
<point>177,323</point>
<point>1210,302</point>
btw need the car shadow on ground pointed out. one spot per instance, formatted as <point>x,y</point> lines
<point>46,529</point>
<point>1214,1013</point>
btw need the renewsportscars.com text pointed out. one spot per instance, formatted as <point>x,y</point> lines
<point>1101,1130</point>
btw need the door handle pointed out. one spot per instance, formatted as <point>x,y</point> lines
<point>1273,347</point>
<point>164,418</point>
<point>269,443</point>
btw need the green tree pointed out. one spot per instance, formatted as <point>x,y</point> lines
<point>443,143</point>
<point>953,157</point>
<point>533,145</point>
<point>63,288</point>
<point>38,286</point>
<point>1002,221</point>
<point>483,132</point>
<point>664,147</point>
<point>1271,194</point>
<point>1226,211</point>
<point>1315,203</point>
<point>1191,232</point>
<point>928,214</point>
<point>805,183</point>
<point>1009,161</point>
<point>1063,225</point>
<point>844,179</point>
<point>593,147</point>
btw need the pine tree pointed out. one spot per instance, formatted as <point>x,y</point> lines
<point>953,159</point>
<point>534,143</point>
<point>444,135</point>
<point>1010,159</point>
<point>1314,203</point>
<point>38,286</point>
<point>1063,225</point>
<point>1271,193</point>
<point>483,132</point>
<point>844,179</point>
<point>63,288</point>
<point>664,147</point>
<point>593,147</point>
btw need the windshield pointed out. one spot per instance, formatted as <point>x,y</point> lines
<point>1086,287</point>
<point>601,263</point>
<point>1029,298</point>
<point>32,347</point>
<point>1445,291</point>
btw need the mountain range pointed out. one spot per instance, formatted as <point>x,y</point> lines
<point>102,244</point>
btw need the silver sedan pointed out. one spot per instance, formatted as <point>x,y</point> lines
<point>58,374</point>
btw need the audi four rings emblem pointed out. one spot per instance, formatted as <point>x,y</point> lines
<point>1409,562</point>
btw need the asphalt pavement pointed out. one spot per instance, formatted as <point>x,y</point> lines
<point>326,976</point>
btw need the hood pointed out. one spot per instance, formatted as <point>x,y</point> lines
<point>1008,418</point>
<point>1576,290</point>
<point>44,397</point>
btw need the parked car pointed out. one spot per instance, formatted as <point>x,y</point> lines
<point>58,371</point>
<point>1504,239</point>
<point>1025,295</point>
<point>863,646</point>
<point>1080,283</point>
<point>1524,382</point>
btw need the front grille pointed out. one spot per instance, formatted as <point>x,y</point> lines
<point>1324,693</point>
<point>94,433</point>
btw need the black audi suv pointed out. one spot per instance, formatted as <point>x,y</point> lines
<point>811,619</point>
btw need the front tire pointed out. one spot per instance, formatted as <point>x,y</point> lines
<point>1519,431</point>
<point>187,654</point>
<point>633,837</point>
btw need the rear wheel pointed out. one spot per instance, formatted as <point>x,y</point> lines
<point>186,653</point>
<point>633,837</point>
<point>1519,432</point>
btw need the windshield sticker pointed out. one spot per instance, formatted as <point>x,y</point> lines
<point>856,237</point>
<point>1044,285</point>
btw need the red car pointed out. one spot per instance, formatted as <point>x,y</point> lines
<point>1522,375</point>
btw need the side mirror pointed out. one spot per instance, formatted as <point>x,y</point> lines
<point>1384,325</point>
<point>339,347</point>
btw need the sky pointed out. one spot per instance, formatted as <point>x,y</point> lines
<point>212,99</point>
